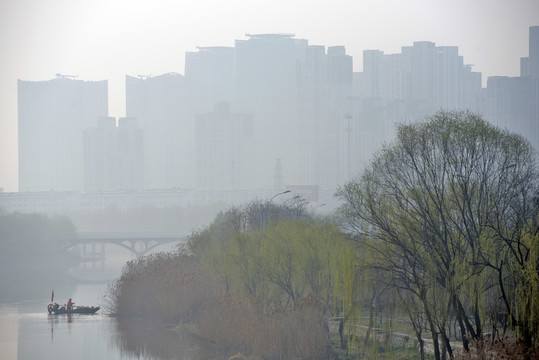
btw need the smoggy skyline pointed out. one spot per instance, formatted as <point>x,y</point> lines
<point>105,40</point>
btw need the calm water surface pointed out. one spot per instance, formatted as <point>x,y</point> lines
<point>28,332</point>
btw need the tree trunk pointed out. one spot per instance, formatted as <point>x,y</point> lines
<point>421,346</point>
<point>464,335</point>
<point>465,319</point>
<point>341,328</point>
<point>371,321</point>
<point>479,328</point>
<point>434,333</point>
<point>447,345</point>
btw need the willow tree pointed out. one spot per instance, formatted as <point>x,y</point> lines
<point>287,261</point>
<point>454,194</point>
<point>273,252</point>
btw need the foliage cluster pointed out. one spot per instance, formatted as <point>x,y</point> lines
<point>449,214</point>
<point>32,253</point>
<point>26,238</point>
<point>257,281</point>
<point>165,287</point>
<point>281,262</point>
<point>442,228</point>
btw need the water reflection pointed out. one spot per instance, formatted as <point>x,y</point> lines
<point>47,337</point>
<point>156,341</point>
<point>8,331</point>
<point>29,332</point>
<point>55,320</point>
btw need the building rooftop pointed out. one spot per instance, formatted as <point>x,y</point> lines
<point>265,36</point>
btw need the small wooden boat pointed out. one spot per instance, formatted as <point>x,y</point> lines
<point>57,309</point>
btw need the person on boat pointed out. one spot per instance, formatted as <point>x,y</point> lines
<point>70,304</point>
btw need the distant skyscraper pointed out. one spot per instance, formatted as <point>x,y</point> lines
<point>524,66</point>
<point>370,77</point>
<point>533,72</point>
<point>513,102</point>
<point>52,117</point>
<point>224,143</point>
<point>113,155</point>
<point>312,112</point>
<point>405,87</point>
<point>160,105</point>
<point>325,83</point>
<point>265,76</point>
<point>424,72</point>
<point>533,59</point>
<point>427,76</point>
<point>209,74</point>
<point>367,125</point>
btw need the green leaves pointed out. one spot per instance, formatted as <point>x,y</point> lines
<point>447,206</point>
<point>291,256</point>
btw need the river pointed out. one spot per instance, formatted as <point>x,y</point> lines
<point>27,331</point>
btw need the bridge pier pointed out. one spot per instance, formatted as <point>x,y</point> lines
<point>92,257</point>
<point>93,250</point>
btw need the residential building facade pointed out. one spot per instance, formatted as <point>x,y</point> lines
<point>160,105</point>
<point>52,116</point>
<point>113,155</point>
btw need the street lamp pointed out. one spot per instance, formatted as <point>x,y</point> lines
<point>292,198</point>
<point>266,207</point>
<point>299,207</point>
<point>316,207</point>
<point>274,196</point>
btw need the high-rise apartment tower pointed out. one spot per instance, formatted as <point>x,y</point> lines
<point>52,117</point>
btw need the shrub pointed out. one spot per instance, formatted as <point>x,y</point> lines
<point>511,349</point>
<point>235,325</point>
<point>165,286</point>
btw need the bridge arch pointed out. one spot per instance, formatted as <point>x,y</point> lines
<point>126,241</point>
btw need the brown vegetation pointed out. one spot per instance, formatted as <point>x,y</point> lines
<point>173,288</point>
<point>165,287</point>
<point>298,331</point>
<point>510,349</point>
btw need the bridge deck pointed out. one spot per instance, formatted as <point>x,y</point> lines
<point>138,243</point>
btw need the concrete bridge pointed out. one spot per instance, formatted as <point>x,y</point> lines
<point>138,243</point>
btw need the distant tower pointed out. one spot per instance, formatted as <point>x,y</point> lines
<point>159,103</point>
<point>209,74</point>
<point>325,83</point>
<point>224,143</point>
<point>113,155</point>
<point>52,117</point>
<point>265,77</point>
<point>533,59</point>
<point>278,180</point>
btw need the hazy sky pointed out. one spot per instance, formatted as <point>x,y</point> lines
<point>106,39</point>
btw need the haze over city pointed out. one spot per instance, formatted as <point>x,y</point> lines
<point>105,40</point>
<point>256,179</point>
